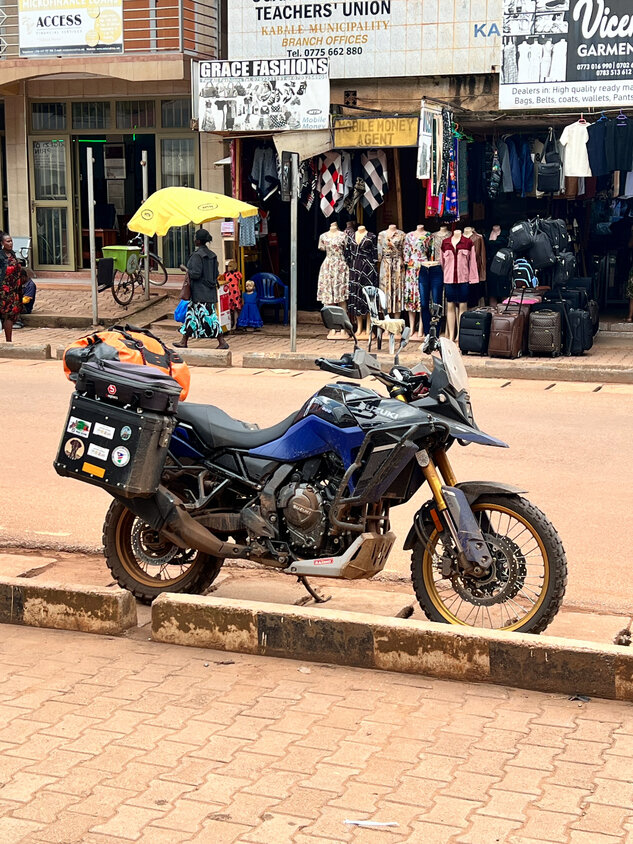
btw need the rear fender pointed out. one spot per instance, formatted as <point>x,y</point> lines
<point>473,490</point>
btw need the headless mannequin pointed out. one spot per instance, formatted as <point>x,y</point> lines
<point>453,311</point>
<point>421,231</point>
<point>337,335</point>
<point>429,263</point>
<point>362,323</point>
<point>495,232</point>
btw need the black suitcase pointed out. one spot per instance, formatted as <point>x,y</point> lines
<point>576,298</point>
<point>544,334</point>
<point>474,331</point>
<point>562,307</point>
<point>594,313</point>
<point>129,385</point>
<point>583,283</point>
<point>581,331</point>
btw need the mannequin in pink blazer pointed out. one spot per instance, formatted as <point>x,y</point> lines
<point>459,265</point>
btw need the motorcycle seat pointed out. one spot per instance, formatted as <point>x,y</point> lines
<point>217,429</point>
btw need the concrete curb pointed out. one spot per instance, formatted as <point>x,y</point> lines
<point>207,357</point>
<point>541,663</point>
<point>36,351</point>
<point>90,609</point>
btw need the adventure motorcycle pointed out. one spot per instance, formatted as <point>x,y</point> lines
<point>310,496</point>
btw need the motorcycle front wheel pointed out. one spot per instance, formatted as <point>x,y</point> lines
<point>523,588</point>
<point>146,564</point>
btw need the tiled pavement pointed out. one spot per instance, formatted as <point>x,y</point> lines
<point>106,741</point>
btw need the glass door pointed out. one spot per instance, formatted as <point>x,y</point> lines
<point>52,204</point>
<point>178,167</point>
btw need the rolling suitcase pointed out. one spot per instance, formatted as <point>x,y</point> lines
<point>562,307</point>
<point>577,298</point>
<point>507,330</point>
<point>594,313</point>
<point>474,331</point>
<point>544,334</point>
<point>581,331</point>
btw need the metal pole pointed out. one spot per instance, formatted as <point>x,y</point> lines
<point>91,236</point>
<point>145,237</point>
<point>294,205</point>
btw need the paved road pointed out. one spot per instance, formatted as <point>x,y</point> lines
<point>107,741</point>
<point>570,447</point>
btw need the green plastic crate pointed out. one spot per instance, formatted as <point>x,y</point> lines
<point>126,258</point>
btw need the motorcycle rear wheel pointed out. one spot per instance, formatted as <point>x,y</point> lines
<point>527,583</point>
<point>145,564</point>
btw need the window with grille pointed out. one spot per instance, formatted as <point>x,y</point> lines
<point>135,114</point>
<point>176,114</point>
<point>91,115</point>
<point>48,117</point>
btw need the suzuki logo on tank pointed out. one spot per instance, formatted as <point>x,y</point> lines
<point>569,53</point>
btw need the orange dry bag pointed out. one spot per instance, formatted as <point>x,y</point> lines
<point>128,344</point>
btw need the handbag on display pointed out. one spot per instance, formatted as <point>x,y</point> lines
<point>549,169</point>
<point>185,290</point>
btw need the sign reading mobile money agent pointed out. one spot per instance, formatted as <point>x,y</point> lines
<point>263,95</point>
<point>70,27</point>
<point>567,53</point>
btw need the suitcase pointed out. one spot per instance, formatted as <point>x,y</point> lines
<point>562,307</point>
<point>594,313</point>
<point>576,298</point>
<point>520,300</point>
<point>129,385</point>
<point>582,283</point>
<point>474,331</point>
<point>544,334</point>
<point>507,331</point>
<point>581,331</point>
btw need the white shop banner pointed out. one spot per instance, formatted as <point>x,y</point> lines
<point>566,54</point>
<point>372,38</point>
<point>70,27</point>
<point>262,95</point>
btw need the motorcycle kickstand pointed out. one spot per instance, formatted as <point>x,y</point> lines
<point>312,592</point>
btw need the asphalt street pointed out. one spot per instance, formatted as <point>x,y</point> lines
<point>569,447</point>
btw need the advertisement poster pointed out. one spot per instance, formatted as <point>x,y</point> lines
<point>70,27</point>
<point>372,38</point>
<point>566,53</point>
<point>263,95</point>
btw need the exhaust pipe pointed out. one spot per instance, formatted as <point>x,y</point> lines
<point>164,512</point>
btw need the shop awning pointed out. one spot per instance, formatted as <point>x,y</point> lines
<point>307,143</point>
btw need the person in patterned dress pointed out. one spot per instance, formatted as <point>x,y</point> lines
<point>13,277</point>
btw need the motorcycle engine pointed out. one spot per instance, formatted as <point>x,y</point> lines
<point>304,514</point>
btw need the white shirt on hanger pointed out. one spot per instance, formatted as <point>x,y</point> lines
<point>574,139</point>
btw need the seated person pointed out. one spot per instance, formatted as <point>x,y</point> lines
<point>29,291</point>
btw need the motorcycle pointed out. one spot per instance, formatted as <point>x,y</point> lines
<point>311,496</point>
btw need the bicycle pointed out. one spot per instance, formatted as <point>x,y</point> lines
<point>123,283</point>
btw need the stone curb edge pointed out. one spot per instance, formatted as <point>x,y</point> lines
<point>89,609</point>
<point>539,663</point>
<point>36,351</point>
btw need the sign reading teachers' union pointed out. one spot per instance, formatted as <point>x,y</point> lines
<point>70,27</point>
<point>567,53</point>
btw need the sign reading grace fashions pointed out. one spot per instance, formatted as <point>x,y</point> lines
<point>70,27</point>
<point>263,95</point>
<point>568,53</point>
<point>365,132</point>
<point>371,38</point>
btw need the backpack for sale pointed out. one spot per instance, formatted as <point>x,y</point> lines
<point>564,269</point>
<point>523,274</point>
<point>501,264</point>
<point>541,253</point>
<point>128,344</point>
<point>556,233</point>
<point>521,237</point>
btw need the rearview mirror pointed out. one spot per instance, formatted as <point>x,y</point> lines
<point>336,319</point>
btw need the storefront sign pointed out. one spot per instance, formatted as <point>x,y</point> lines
<point>263,95</point>
<point>372,38</point>
<point>568,53</point>
<point>70,27</point>
<point>378,132</point>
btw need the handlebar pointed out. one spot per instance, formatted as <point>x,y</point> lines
<point>348,367</point>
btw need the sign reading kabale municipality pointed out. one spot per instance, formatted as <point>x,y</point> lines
<point>570,53</point>
<point>376,132</point>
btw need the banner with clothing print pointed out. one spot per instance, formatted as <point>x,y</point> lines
<point>262,95</point>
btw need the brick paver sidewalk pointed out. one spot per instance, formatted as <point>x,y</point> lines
<point>106,741</point>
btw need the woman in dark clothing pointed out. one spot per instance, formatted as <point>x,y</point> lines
<point>201,320</point>
<point>13,277</point>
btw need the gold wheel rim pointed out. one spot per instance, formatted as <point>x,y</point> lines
<point>126,556</point>
<point>431,584</point>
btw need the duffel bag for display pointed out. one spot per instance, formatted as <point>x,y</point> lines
<point>474,331</point>
<point>501,264</point>
<point>541,253</point>
<point>556,231</point>
<point>581,331</point>
<point>544,333</point>
<point>564,269</point>
<point>127,344</point>
<point>521,237</point>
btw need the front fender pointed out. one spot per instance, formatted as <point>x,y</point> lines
<point>473,490</point>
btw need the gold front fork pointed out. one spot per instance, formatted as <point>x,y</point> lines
<point>440,460</point>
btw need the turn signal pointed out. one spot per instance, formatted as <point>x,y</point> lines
<point>439,527</point>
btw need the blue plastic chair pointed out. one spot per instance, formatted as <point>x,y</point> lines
<point>267,285</point>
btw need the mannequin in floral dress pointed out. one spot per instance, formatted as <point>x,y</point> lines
<point>390,244</point>
<point>333,286</point>
<point>417,249</point>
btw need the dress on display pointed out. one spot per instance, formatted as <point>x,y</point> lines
<point>333,286</point>
<point>249,315</point>
<point>361,259</point>
<point>390,245</point>
<point>416,250</point>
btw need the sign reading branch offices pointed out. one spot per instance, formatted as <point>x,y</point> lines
<point>70,27</point>
<point>567,53</point>
<point>263,95</point>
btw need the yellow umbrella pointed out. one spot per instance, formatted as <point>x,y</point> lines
<point>181,206</point>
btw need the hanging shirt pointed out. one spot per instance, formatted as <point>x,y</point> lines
<point>459,263</point>
<point>332,182</point>
<point>264,177</point>
<point>574,139</point>
<point>619,144</point>
<point>597,147</point>
<point>346,185</point>
<point>374,172</point>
